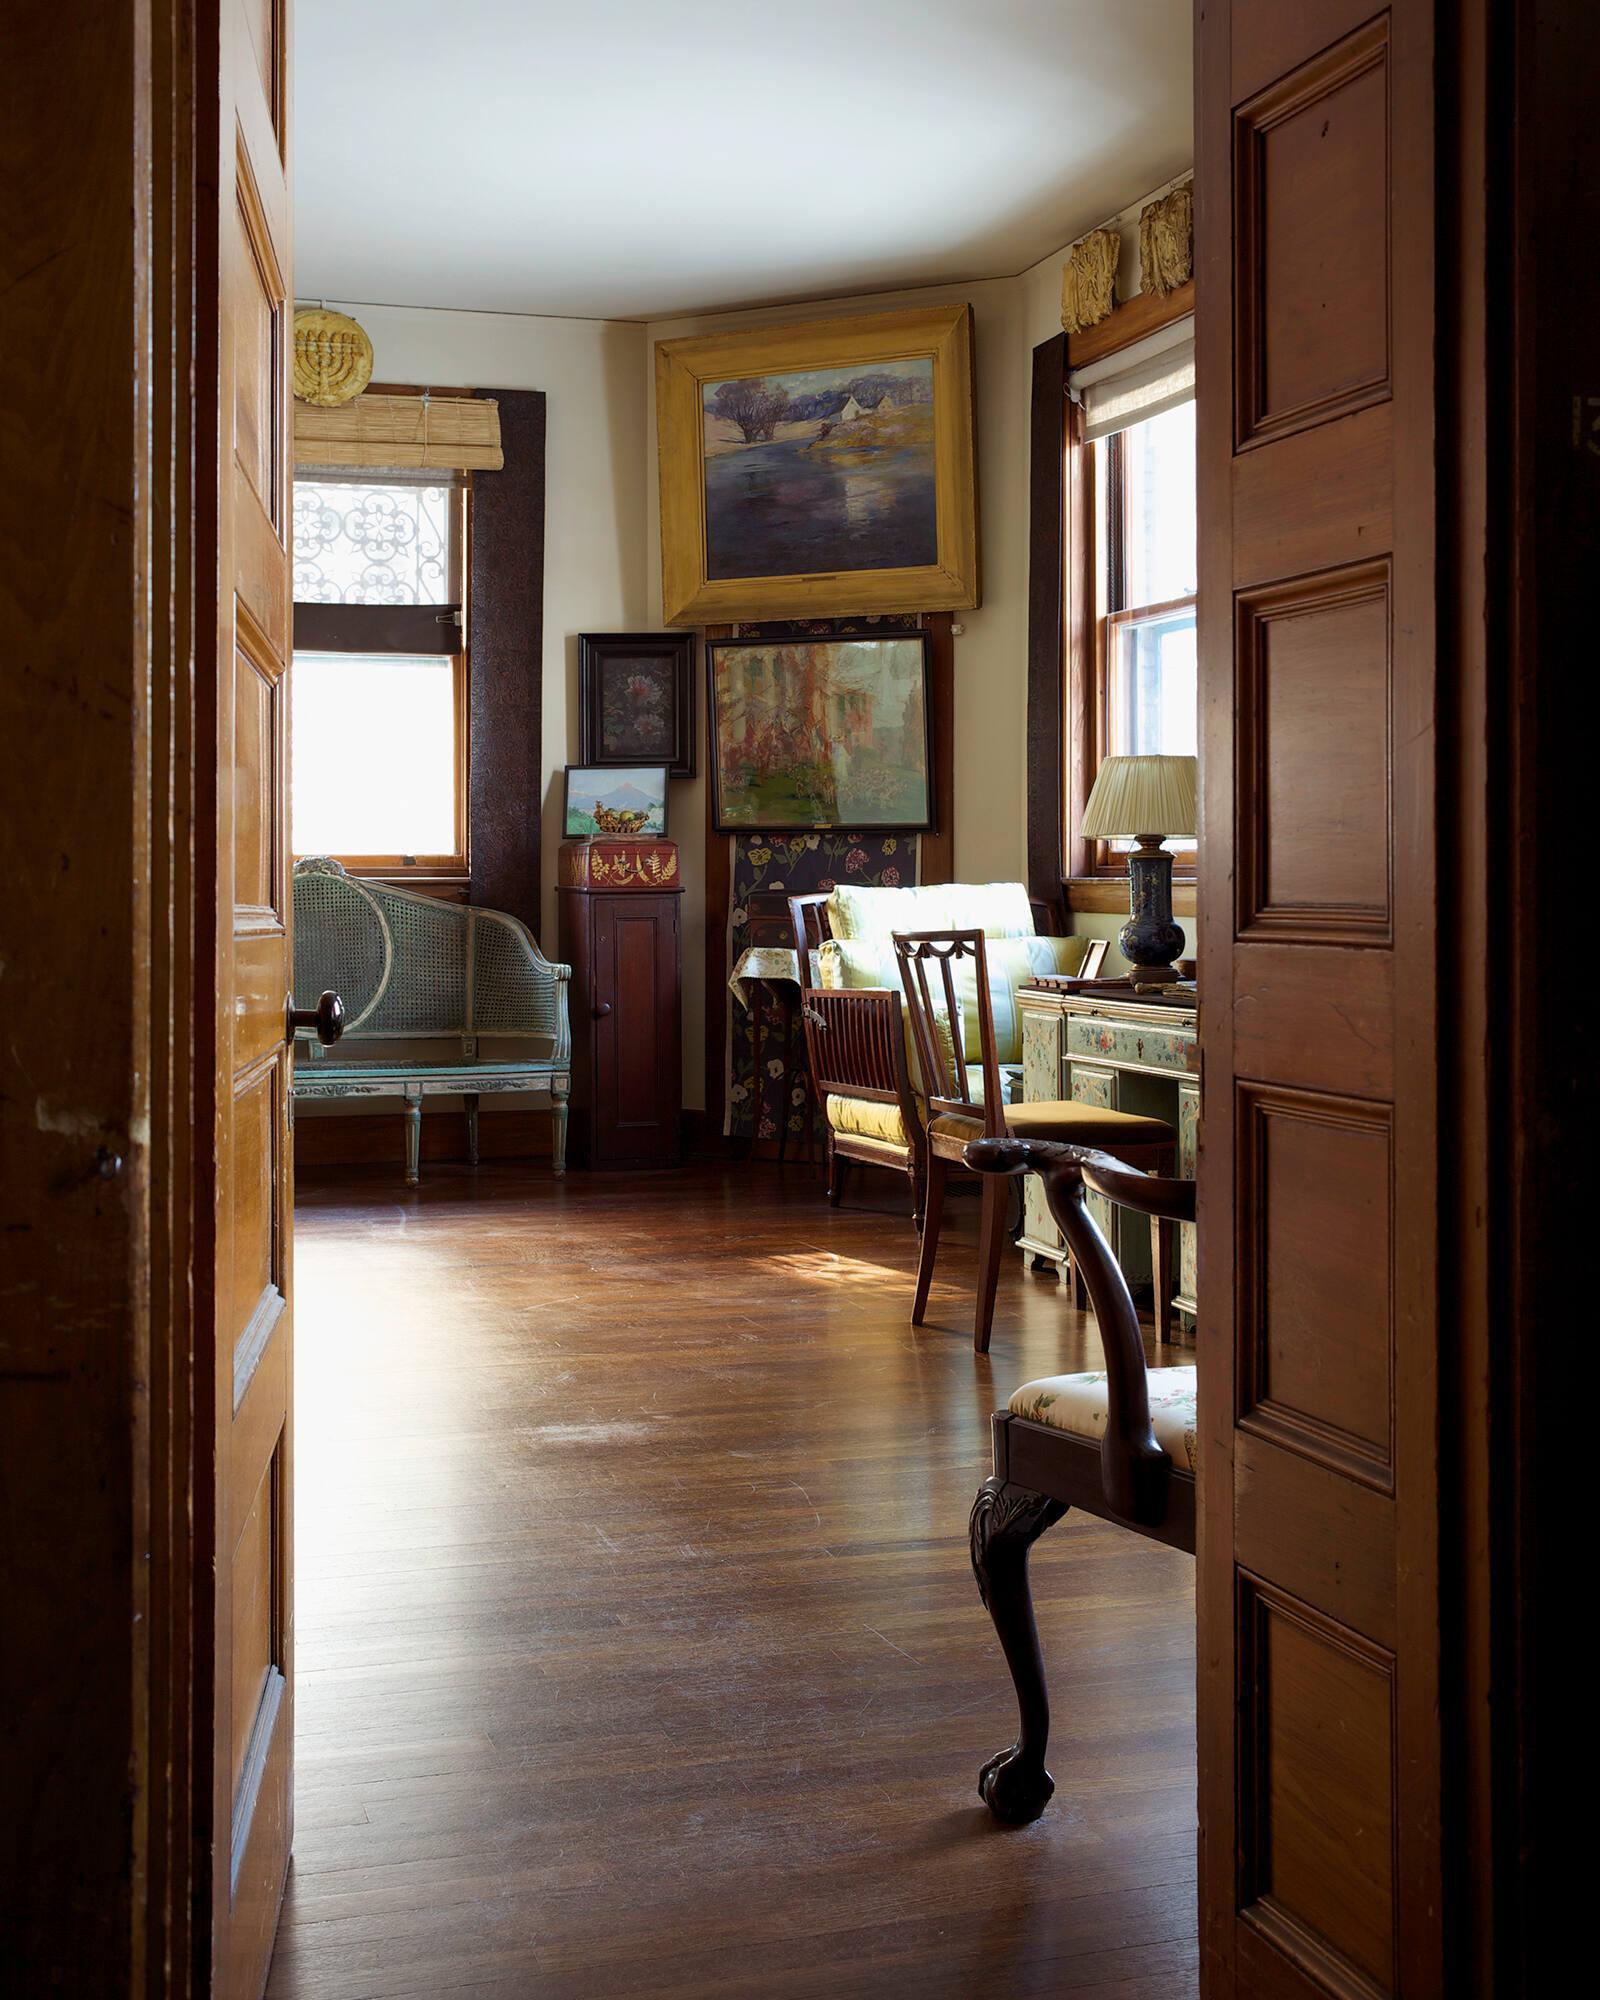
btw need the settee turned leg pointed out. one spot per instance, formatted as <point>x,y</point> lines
<point>469,1105</point>
<point>558,1133</point>
<point>413,1141</point>
<point>1006,1522</point>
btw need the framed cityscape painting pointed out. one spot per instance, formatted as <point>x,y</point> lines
<point>614,800</point>
<point>825,467</point>
<point>811,734</point>
<point>636,699</point>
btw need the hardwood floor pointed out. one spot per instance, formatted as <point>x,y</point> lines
<point>638,1650</point>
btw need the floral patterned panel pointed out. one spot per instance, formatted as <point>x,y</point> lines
<point>760,1105</point>
<point>760,1102</point>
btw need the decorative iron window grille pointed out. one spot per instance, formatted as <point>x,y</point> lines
<point>372,544</point>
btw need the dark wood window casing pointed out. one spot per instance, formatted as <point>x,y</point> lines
<point>500,684</point>
<point>407,630</point>
<point>1070,611</point>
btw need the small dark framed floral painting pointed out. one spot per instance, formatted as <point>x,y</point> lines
<point>636,696</point>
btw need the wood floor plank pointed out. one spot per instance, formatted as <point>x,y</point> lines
<point>638,1655</point>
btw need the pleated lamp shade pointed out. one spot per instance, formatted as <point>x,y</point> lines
<point>1134,795</point>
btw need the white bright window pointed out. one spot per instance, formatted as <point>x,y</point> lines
<point>1147,696</point>
<point>374,755</point>
<point>379,712</point>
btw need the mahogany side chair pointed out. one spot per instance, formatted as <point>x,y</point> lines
<point>964,1102</point>
<point>1117,1442</point>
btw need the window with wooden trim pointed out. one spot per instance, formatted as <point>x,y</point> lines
<point>1135,680</point>
<point>380,718</point>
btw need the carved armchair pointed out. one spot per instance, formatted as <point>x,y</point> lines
<point>1118,1442</point>
<point>808,919</point>
<point>856,1046</point>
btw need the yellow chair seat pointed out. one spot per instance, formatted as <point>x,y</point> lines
<point>1076,1124</point>
<point>1077,1404</point>
<point>867,1118</point>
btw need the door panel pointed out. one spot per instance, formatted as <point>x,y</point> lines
<point>253,1612</point>
<point>1319,1675</point>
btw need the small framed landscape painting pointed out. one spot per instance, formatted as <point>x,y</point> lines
<point>636,698</point>
<point>824,467</point>
<point>808,734</point>
<point>613,799</point>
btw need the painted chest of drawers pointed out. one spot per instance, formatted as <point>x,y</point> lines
<point>1125,1055</point>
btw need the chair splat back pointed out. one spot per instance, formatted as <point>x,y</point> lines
<point>943,1058</point>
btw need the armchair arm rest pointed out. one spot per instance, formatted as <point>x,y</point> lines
<point>1173,1200</point>
<point>1134,1470</point>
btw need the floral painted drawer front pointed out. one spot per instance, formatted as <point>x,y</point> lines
<point>1132,1042</point>
<point>1188,1162</point>
<point>1099,1088</point>
<point>1041,1081</point>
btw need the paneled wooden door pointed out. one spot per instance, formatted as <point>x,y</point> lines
<point>252,1483</point>
<point>1318,1564</point>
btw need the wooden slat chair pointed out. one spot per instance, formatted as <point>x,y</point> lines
<point>964,1101</point>
<point>1118,1442</point>
<point>856,1045</point>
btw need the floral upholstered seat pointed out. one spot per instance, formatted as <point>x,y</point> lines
<point>1077,1404</point>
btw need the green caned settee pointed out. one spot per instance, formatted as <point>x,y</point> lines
<point>446,1000</point>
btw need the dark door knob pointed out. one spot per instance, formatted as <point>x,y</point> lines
<point>326,1019</point>
<point>600,1009</point>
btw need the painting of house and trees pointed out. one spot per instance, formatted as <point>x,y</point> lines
<point>831,469</point>
<point>817,733</point>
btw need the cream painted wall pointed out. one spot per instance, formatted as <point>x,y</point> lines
<point>991,646</point>
<point>603,549</point>
<point>593,373</point>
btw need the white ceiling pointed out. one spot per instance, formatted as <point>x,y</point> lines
<point>638,158</point>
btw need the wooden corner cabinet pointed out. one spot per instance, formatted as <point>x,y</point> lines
<point>619,903</point>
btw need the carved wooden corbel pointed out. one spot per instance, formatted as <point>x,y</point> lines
<point>1166,241</point>
<point>1089,280</point>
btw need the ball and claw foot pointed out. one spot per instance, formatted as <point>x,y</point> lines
<point>1014,1791</point>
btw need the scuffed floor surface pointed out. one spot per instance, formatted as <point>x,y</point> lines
<point>638,1653</point>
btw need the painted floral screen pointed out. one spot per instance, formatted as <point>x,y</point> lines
<point>764,1093</point>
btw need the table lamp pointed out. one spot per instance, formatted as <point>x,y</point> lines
<point>1145,798</point>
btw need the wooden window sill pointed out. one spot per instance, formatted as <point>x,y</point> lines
<point>1107,896</point>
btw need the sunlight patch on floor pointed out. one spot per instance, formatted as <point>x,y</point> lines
<point>823,1267</point>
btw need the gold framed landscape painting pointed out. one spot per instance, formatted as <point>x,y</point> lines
<point>820,468</point>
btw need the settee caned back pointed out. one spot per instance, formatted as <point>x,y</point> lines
<point>410,965</point>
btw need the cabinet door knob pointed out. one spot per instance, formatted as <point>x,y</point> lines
<point>600,1009</point>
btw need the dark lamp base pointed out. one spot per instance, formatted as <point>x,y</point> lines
<point>1150,940</point>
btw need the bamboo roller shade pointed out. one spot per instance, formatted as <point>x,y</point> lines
<point>454,433</point>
